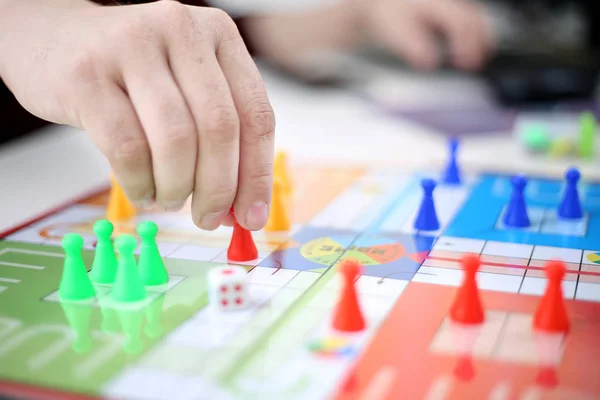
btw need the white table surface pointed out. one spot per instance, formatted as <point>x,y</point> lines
<point>332,125</point>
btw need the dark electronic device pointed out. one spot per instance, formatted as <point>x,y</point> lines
<point>547,72</point>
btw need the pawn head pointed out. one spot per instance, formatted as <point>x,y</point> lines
<point>471,263</point>
<point>147,230</point>
<point>126,244</point>
<point>72,242</point>
<point>350,268</point>
<point>555,270</point>
<point>519,182</point>
<point>103,228</point>
<point>453,143</point>
<point>572,175</point>
<point>428,185</point>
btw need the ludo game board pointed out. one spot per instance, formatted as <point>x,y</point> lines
<point>174,344</point>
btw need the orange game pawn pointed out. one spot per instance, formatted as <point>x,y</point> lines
<point>551,314</point>
<point>119,207</point>
<point>348,316</point>
<point>467,308</point>
<point>242,247</point>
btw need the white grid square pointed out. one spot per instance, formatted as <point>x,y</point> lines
<point>197,253</point>
<point>303,280</point>
<point>453,277</point>
<point>271,276</point>
<point>537,287</point>
<point>536,217</point>
<point>380,287</point>
<point>546,253</point>
<point>553,225</point>
<point>502,249</point>
<point>588,291</point>
<point>461,245</point>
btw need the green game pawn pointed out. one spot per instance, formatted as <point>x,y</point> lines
<point>104,268</point>
<point>75,284</point>
<point>132,321</point>
<point>151,266</point>
<point>587,135</point>
<point>79,316</point>
<point>128,285</point>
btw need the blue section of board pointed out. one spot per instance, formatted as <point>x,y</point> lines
<point>478,217</point>
<point>403,268</point>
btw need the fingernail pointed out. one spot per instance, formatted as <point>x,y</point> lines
<point>213,220</point>
<point>174,206</point>
<point>145,203</point>
<point>257,215</point>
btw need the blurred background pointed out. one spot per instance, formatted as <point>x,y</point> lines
<point>522,108</point>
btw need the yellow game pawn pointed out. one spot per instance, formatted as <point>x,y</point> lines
<point>281,172</point>
<point>279,220</point>
<point>119,207</point>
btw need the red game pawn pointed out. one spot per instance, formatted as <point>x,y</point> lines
<point>551,314</point>
<point>242,247</point>
<point>467,308</point>
<point>348,315</point>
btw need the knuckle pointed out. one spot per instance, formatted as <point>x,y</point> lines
<point>127,31</point>
<point>129,150</point>
<point>261,176</point>
<point>83,68</point>
<point>221,197</point>
<point>174,12</point>
<point>222,125</point>
<point>260,121</point>
<point>224,25</point>
<point>179,137</point>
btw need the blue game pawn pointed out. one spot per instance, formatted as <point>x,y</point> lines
<point>570,206</point>
<point>427,218</point>
<point>516,212</point>
<point>452,174</point>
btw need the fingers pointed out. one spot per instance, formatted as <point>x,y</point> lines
<point>168,125</point>
<point>257,131</point>
<point>463,24</point>
<point>206,90</point>
<point>406,35</point>
<point>110,119</point>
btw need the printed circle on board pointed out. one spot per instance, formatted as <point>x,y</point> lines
<point>594,257</point>
<point>368,250</point>
<point>334,347</point>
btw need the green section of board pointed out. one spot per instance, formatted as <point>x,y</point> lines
<point>80,346</point>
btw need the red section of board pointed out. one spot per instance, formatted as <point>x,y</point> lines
<point>23,391</point>
<point>401,349</point>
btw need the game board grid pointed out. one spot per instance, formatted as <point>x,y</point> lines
<point>283,281</point>
<point>545,220</point>
<point>288,354</point>
<point>521,273</point>
<point>103,298</point>
<point>246,325</point>
<point>505,336</point>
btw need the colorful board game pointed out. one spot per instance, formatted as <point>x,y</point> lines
<point>174,344</point>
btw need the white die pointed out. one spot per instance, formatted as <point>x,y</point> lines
<point>228,288</point>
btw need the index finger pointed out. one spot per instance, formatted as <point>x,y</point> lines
<point>257,132</point>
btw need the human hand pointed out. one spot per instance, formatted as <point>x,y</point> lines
<point>408,28</point>
<point>167,92</point>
